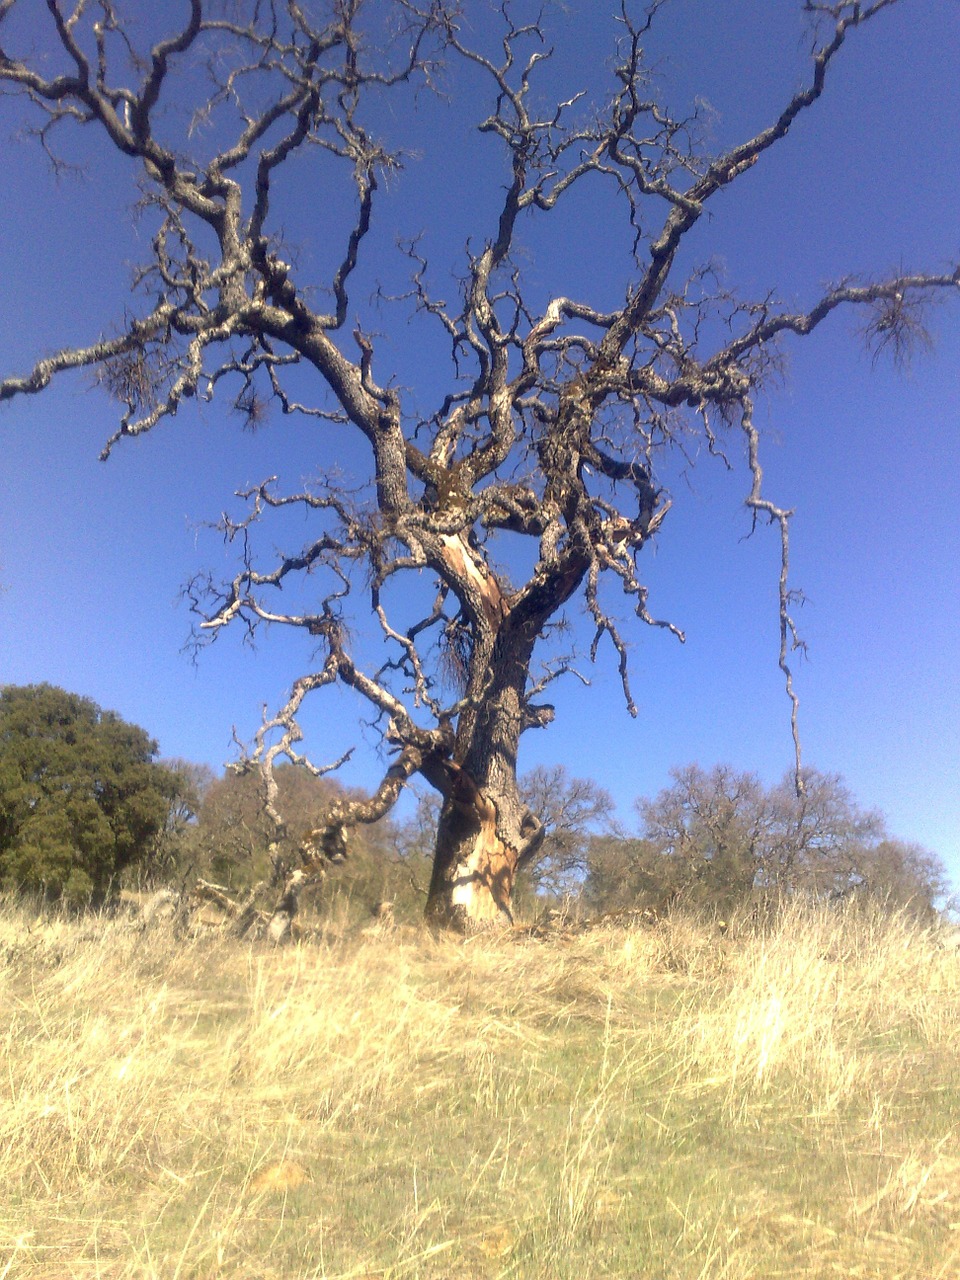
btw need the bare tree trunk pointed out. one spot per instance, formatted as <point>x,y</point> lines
<point>486,831</point>
<point>474,868</point>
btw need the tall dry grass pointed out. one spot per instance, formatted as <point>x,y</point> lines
<point>663,1102</point>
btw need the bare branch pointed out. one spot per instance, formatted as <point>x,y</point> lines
<point>789,637</point>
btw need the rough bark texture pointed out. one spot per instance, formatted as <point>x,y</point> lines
<point>558,412</point>
<point>474,868</point>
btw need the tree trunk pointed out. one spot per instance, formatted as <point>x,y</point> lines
<point>474,867</point>
<point>485,831</point>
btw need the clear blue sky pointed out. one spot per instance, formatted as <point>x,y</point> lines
<point>92,556</point>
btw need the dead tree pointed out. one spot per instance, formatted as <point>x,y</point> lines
<point>557,413</point>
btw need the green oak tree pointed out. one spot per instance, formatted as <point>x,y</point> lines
<point>81,795</point>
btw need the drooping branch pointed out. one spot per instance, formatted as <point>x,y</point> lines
<point>790,641</point>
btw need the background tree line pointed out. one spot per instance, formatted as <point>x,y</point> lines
<point>719,839</point>
<point>86,806</point>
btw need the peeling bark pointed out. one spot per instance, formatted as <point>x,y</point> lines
<point>474,867</point>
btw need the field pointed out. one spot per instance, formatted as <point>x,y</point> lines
<point>669,1101</point>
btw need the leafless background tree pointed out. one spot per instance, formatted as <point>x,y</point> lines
<point>558,411</point>
<point>572,810</point>
<point>718,840</point>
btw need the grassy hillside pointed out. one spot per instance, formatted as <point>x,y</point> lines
<point>662,1102</point>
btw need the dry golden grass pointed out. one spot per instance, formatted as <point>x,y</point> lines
<point>663,1102</point>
